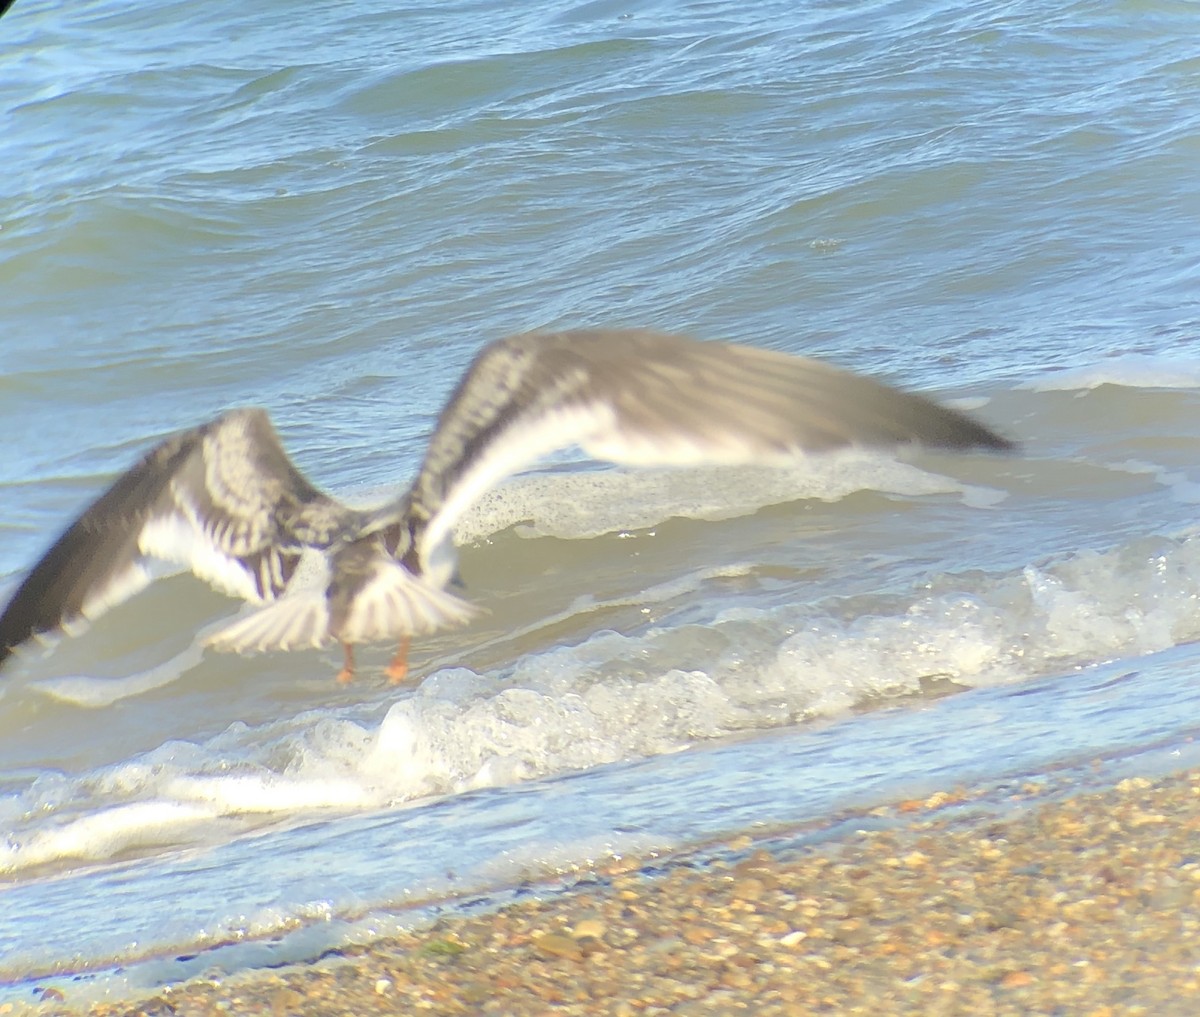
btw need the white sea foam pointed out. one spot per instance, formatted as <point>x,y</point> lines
<point>584,505</point>
<point>108,833</point>
<point>588,504</point>
<point>1183,489</point>
<point>540,859</point>
<point>618,697</point>
<point>1131,370</point>
<point>581,504</point>
<point>96,693</point>
<point>270,793</point>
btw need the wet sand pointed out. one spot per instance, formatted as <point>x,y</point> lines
<point>1028,899</point>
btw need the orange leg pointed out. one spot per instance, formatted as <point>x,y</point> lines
<point>397,670</point>
<point>346,675</point>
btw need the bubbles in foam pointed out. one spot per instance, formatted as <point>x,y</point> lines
<point>268,793</point>
<point>108,833</point>
<point>621,696</point>
<point>588,504</point>
<point>569,854</point>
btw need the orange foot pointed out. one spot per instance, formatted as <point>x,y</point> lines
<point>397,670</point>
<point>346,675</point>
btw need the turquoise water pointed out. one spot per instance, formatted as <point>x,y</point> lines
<point>327,210</point>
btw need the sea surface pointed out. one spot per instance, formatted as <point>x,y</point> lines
<point>327,209</point>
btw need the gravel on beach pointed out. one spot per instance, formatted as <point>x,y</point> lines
<point>1084,903</point>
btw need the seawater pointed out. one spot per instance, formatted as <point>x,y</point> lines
<point>327,211</point>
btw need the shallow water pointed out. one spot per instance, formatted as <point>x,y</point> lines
<point>327,212</point>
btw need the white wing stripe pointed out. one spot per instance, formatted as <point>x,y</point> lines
<point>514,449</point>
<point>173,538</point>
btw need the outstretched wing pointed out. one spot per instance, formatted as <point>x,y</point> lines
<point>222,499</point>
<point>649,398</point>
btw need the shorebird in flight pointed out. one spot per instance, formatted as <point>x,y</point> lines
<point>225,500</point>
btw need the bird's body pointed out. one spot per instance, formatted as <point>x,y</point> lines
<point>225,500</point>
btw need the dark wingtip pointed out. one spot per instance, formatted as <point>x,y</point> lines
<point>15,628</point>
<point>22,620</point>
<point>963,432</point>
<point>993,442</point>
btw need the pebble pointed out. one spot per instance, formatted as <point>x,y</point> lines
<point>589,928</point>
<point>554,945</point>
<point>1067,904</point>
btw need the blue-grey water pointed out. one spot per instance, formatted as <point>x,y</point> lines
<point>327,209</point>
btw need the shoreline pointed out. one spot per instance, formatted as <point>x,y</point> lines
<point>1048,901</point>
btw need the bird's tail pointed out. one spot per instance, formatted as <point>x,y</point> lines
<point>394,603</point>
<point>391,604</point>
<point>295,621</point>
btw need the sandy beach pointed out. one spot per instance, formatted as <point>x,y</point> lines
<point>1039,898</point>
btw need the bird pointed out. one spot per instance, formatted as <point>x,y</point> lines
<point>225,500</point>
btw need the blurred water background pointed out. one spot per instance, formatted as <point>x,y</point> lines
<point>327,209</point>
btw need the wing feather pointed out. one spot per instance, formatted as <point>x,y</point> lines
<point>640,397</point>
<point>224,499</point>
<point>371,602</point>
<point>216,499</point>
